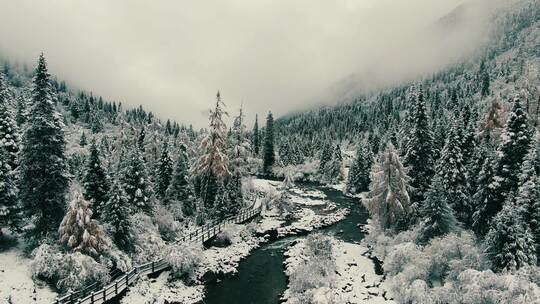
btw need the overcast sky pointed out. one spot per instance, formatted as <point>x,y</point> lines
<point>279,55</point>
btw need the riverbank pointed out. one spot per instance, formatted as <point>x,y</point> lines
<point>286,212</point>
<point>350,279</point>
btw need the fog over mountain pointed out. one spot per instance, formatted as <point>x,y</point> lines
<point>278,55</point>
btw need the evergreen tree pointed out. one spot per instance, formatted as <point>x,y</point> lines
<point>95,182</point>
<point>437,216</point>
<point>325,157</point>
<point>255,139</point>
<point>484,196</point>
<point>135,183</point>
<point>528,194</point>
<point>453,175</point>
<point>238,156</point>
<point>515,143</point>
<point>509,242</point>
<point>164,171</point>
<point>180,190</point>
<point>212,165</point>
<point>358,180</point>
<point>484,78</point>
<point>418,156</point>
<point>333,170</point>
<point>43,180</point>
<point>388,196</point>
<point>140,139</point>
<point>9,211</point>
<point>268,151</point>
<point>8,130</point>
<point>83,141</point>
<point>116,213</point>
<point>79,231</point>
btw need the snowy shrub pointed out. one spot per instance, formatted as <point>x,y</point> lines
<point>68,271</point>
<point>248,231</point>
<point>148,244</point>
<point>79,270</point>
<point>226,236</point>
<point>115,258</point>
<point>45,262</point>
<point>315,270</point>
<point>167,226</point>
<point>302,172</point>
<point>184,261</point>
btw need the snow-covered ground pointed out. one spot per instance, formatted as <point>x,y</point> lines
<point>354,281</point>
<point>161,291</point>
<point>16,282</point>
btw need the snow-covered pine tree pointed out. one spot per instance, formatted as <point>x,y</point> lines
<point>325,157</point>
<point>83,141</point>
<point>509,242</point>
<point>79,231</point>
<point>140,140</point>
<point>9,210</point>
<point>95,182</point>
<point>528,194</point>
<point>135,182</point>
<point>180,190</point>
<point>388,196</point>
<point>358,179</point>
<point>437,216</point>
<point>268,148</point>
<point>419,150</point>
<point>211,167</point>
<point>117,213</point>
<point>43,181</point>
<point>515,143</point>
<point>333,170</point>
<point>453,175</point>
<point>8,130</point>
<point>164,171</point>
<point>255,137</point>
<point>484,196</point>
<point>238,162</point>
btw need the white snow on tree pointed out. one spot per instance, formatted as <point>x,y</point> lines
<point>212,165</point>
<point>388,196</point>
<point>79,231</point>
<point>510,244</point>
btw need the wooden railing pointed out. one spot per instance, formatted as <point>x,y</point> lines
<point>96,294</point>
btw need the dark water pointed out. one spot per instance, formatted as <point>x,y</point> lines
<point>260,278</point>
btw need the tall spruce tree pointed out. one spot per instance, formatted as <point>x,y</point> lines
<point>255,137</point>
<point>211,168</point>
<point>180,189</point>
<point>117,213</point>
<point>419,150</point>
<point>268,149</point>
<point>509,242</point>
<point>43,179</point>
<point>95,182</point>
<point>484,196</point>
<point>388,196</point>
<point>358,179</point>
<point>9,211</point>
<point>453,174</point>
<point>135,182</point>
<point>437,216</point>
<point>515,143</point>
<point>8,130</point>
<point>164,171</point>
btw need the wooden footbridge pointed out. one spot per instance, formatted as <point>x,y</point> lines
<point>97,294</point>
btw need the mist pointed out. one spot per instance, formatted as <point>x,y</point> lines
<point>280,56</point>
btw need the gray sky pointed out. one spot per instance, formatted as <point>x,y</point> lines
<point>279,55</point>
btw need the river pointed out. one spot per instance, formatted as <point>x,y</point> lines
<point>260,278</point>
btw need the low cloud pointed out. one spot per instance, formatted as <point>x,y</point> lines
<point>172,56</point>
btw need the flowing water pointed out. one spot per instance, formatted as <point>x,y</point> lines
<point>260,278</point>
